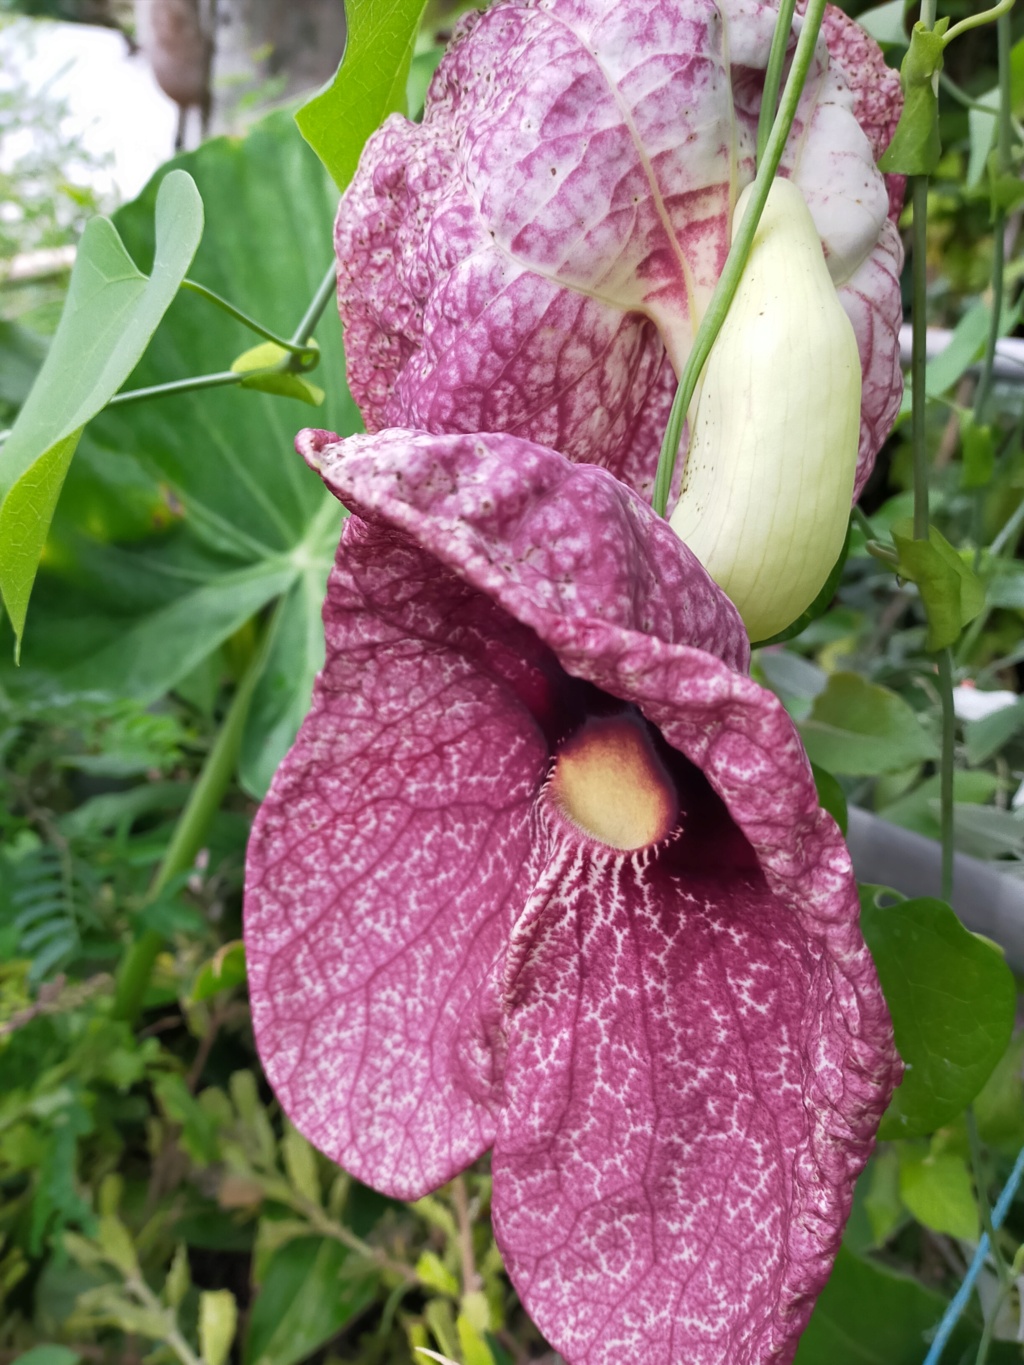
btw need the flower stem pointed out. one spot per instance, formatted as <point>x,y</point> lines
<point>1004,161</point>
<point>919,357</point>
<point>773,75</point>
<point>946,812</point>
<point>199,381</point>
<point>297,349</point>
<point>190,832</point>
<point>1000,11</point>
<point>711,323</point>
<point>981,1185</point>
<point>328,286</point>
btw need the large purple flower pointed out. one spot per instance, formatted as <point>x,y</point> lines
<point>534,258</point>
<point>545,872</point>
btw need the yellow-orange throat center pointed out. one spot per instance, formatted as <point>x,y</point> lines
<point>611,784</point>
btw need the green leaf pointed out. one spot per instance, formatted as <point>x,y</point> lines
<point>919,809</point>
<point>938,1191</point>
<point>258,363</point>
<point>985,737</point>
<point>48,1355</point>
<point>243,518</point>
<point>858,728</point>
<point>369,85</point>
<point>285,386</point>
<point>885,23</point>
<point>305,1300</point>
<point>831,796</point>
<point>294,657</point>
<point>432,1271</point>
<point>111,313</point>
<point>951,593</point>
<point>300,1164</point>
<point>952,999</point>
<point>179,1279</point>
<point>979,454</point>
<point>150,657</point>
<point>218,1321</point>
<point>882,1202</point>
<point>915,148</point>
<point>116,1244</point>
<point>869,1316</point>
<point>224,971</point>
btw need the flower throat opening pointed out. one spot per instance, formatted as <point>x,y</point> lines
<point>610,783</point>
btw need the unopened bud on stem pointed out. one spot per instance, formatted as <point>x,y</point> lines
<point>773,450</point>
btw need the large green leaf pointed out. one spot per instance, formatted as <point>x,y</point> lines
<point>369,85</point>
<point>239,518</point>
<point>866,1315</point>
<point>304,1301</point>
<point>952,1000</point>
<point>112,311</point>
<point>858,728</point>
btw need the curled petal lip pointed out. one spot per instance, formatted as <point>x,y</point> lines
<point>438,965</point>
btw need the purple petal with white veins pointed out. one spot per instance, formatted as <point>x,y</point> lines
<point>532,257</point>
<point>384,865</point>
<point>681,1053</point>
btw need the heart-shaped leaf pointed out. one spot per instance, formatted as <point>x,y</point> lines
<point>111,313</point>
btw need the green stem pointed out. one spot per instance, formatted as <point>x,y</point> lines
<point>919,356</point>
<point>945,663</point>
<point>1003,157</point>
<point>861,520</point>
<point>711,323</point>
<point>1002,10</point>
<point>191,831</point>
<point>328,287</point>
<point>201,381</point>
<point>773,75</point>
<point>981,1185</point>
<point>298,349</point>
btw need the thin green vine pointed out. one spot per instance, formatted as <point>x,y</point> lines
<point>722,297</point>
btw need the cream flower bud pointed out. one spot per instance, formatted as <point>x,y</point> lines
<point>773,451</point>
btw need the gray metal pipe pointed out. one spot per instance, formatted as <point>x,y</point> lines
<point>988,902</point>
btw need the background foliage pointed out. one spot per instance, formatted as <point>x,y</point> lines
<point>154,1204</point>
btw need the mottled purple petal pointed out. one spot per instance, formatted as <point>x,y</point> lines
<point>695,1052</point>
<point>522,260</point>
<point>559,547</point>
<point>383,865</point>
<point>672,1171</point>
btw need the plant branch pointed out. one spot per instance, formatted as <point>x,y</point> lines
<point>296,348</point>
<point>191,830</point>
<point>946,811</point>
<point>1003,159</point>
<point>1002,10</point>
<point>312,315</point>
<point>470,1277</point>
<point>981,1185</point>
<point>773,75</point>
<point>721,298</point>
<point>201,381</point>
<point>919,356</point>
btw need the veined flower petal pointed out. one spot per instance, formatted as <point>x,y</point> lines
<point>535,257</point>
<point>676,1040</point>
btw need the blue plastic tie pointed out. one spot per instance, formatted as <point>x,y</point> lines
<point>959,1300</point>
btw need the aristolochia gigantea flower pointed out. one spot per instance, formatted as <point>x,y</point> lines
<point>534,258</point>
<point>545,873</point>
